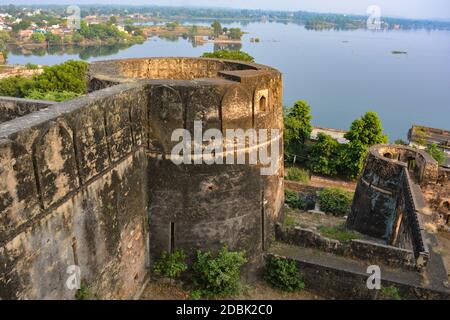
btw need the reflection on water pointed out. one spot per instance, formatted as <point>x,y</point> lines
<point>88,52</point>
<point>83,52</point>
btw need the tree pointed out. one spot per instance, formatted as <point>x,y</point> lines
<point>217,28</point>
<point>437,154</point>
<point>53,38</point>
<point>37,37</point>
<point>17,86</point>
<point>193,31</point>
<point>77,37</point>
<point>22,25</point>
<point>68,76</point>
<point>323,155</point>
<point>364,133</point>
<point>235,33</point>
<point>297,129</point>
<point>229,54</point>
<point>350,159</point>
<point>367,130</point>
<point>4,38</point>
<point>298,122</point>
<point>112,20</point>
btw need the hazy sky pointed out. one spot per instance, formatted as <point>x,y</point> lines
<point>402,8</point>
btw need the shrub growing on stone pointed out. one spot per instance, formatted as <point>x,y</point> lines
<point>171,265</point>
<point>229,54</point>
<point>283,274</point>
<point>218,274</point>
<point>335,201</point>
<point>294,200</point>
<point>389,293</point>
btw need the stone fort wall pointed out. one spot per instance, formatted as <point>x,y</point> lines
<point>90,182</point>
<point>389,203</point>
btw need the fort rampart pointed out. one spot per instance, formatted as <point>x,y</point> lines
<point>90,182</point>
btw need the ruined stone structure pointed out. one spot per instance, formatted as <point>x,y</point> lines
<point>90,182</point>
<point>400,189</point>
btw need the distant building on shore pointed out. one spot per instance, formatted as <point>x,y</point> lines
<point>336,134</point>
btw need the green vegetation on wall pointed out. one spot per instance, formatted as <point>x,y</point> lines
<point>437,154</point>
<point>230,55</point>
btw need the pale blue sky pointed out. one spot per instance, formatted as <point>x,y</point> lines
<point>438,9</point>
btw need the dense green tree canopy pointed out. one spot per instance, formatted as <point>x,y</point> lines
<point>99,31</point>
<point>38,37</point>
<point>235,33</point>
<point>367,130</point>
<point>298,122</point>
<point>59,82</point>
<point>68,76</point>
<point>323,155</point>
<point>15,86</point>
<point>297,129</point>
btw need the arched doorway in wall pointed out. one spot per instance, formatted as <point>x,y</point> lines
<point>263,104</point>
<point>388,155</point>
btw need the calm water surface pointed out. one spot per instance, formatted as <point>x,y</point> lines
<point>341,74</point>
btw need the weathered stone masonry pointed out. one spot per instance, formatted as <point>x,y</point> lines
<point>90,181</point>
<point>390,201</point>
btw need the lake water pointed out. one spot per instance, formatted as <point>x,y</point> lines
<point>341,74</point>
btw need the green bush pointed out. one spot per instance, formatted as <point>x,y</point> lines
<point>171,265</point>
<point>52,95</point>
<point>16,86</point>
<point>437,154</point>
<point>335,201</point>
<point>58,83</point>
<point>323,157</point>
<point>219,274</point>
<point>67,76</point>
<point>293,200</point>
<point>283,274</point>
<point>297,174</point>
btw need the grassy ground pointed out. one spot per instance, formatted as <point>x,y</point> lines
<point>255,291</point>
<point>327,225</point>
